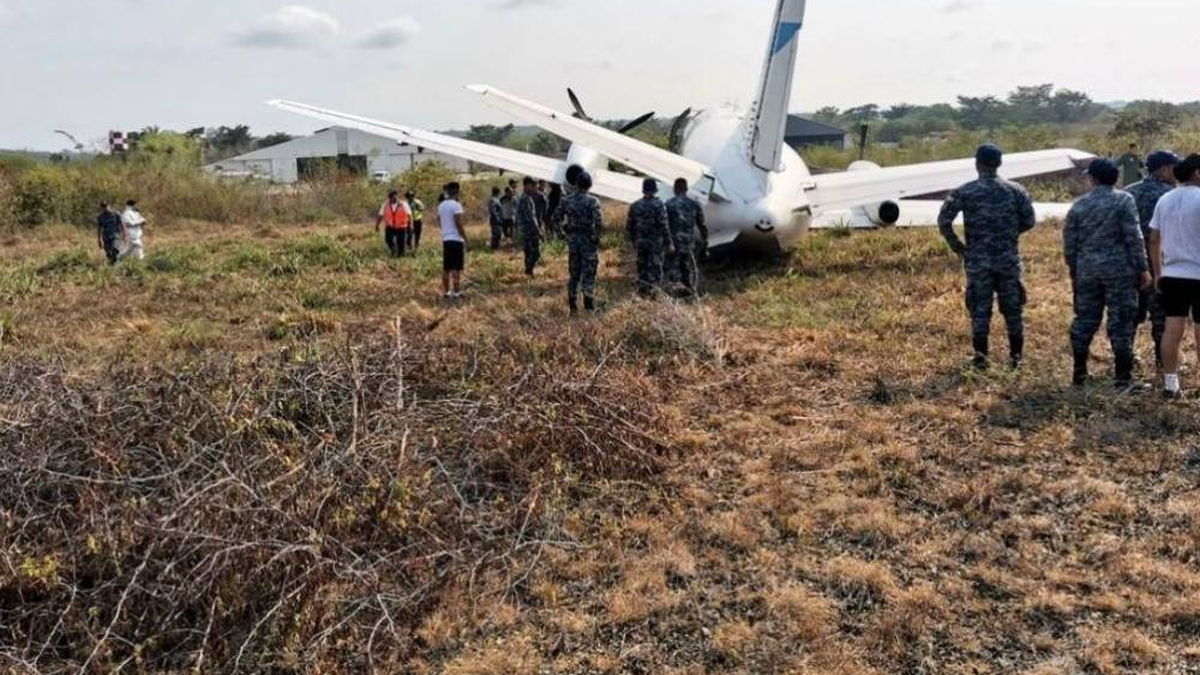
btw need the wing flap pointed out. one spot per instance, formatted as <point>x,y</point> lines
<point>664,165</point>
<point>608,184</point>
<point>831,192</point>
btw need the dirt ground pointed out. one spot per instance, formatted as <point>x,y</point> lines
<point>844,496</point>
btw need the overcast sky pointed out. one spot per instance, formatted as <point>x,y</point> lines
<point>93,65</point>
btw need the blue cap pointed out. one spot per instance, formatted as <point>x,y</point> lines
<point>1161,158</point>
<point>650,186</point>
<point>1104,171</point>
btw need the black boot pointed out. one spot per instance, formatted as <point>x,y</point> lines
<point>573,304</point>
<point>1016,350</point>
<point>980,360</point>
<point>1081,369</point>
<point>1124,363</point>
<point>589,304</point>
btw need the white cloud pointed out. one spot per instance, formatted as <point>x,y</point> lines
<point>390,34</point>
<point>290,27</point>
<point>956,5</point>
<point>5,12</point>
<point>520,4</point>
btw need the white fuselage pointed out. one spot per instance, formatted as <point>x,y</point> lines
<point>751,208</point>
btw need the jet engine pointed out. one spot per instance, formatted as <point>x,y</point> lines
<point>883,214</point>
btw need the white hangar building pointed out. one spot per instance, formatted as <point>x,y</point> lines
<point>352,150</point>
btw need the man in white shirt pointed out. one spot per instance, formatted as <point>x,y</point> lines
<point>134,225</point>
<point>1175,253</point>
<point>454,242</point>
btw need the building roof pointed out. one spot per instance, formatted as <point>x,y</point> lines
<point>330,142</point>
<point>798,126</point>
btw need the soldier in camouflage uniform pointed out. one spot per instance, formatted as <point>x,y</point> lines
<point>1105,252</point>
<point>686,218</point>
<point>528,226</point>
<point>1159,181</point>
<point>650,233</point>
<point>996,213</point>
<point>583,225</point>
<point>496,218</point>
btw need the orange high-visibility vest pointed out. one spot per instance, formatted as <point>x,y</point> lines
<point>395,216</point>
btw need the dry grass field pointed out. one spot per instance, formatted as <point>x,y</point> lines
<point>275,450</point>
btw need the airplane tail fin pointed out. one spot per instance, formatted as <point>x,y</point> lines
<point>770,113</point>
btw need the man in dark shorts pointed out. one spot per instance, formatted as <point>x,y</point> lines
<point>454,242</point>
<point>1175,251</point>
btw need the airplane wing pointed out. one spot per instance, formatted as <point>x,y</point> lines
<point>653,161</point>
<point>831,192</point>
<point>609,184</point>
<point>916,213</point>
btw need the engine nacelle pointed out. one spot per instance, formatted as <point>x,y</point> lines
<point>883,214</point>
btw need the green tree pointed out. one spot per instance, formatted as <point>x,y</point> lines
<point>168,146</point>
<point>829,114</point>
<point>1073,106</point>
<point>489,133</point>
<point>1146,121</point>
<point>1031,105</point>
<point>899,111</point>
<point>862,113</point>
<point>546,144</point>
<point>985,112</point>
<point>273,139</point>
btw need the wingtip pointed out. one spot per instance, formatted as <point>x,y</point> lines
<point>478,88</point>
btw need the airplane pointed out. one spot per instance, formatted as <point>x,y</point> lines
<point>758,193</point>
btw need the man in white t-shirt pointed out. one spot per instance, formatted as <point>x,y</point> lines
<point>454,242</point>
<point>134,225</point>
<point>1175,252</point>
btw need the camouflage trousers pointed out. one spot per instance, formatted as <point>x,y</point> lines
<point>497,234</point>
<point>649,266</point>
<point>984,288</point>
<point>1092,297</point>
<point>1150,307</point>
<point>583,262</point>
<point>531,243</point>
<point>681,265</point>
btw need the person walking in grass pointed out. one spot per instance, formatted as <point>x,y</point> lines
<point>649,231</point>
<point>109,232</point>
<point>1130,166</point>
<point>496,218</point>
<point>1175,253</point>
<point>1106,256</point>
<point>508,212</point>
<point>1160,180</point>
<point>583,225</point>
<point>396,216</point>
<point>996,213</point>
<point>417,208</point>
<point>134,225</point>
<point>454,242</point>
<point>529,226</point>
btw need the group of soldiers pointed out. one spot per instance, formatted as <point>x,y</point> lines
<point>1104,246</point>
<point>667,236</point>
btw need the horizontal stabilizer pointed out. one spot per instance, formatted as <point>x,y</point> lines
<point>608,184</point>
<point>653,161</point>
<point>831,192</point>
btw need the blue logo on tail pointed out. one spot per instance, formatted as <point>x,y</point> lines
<point>787,33</point>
